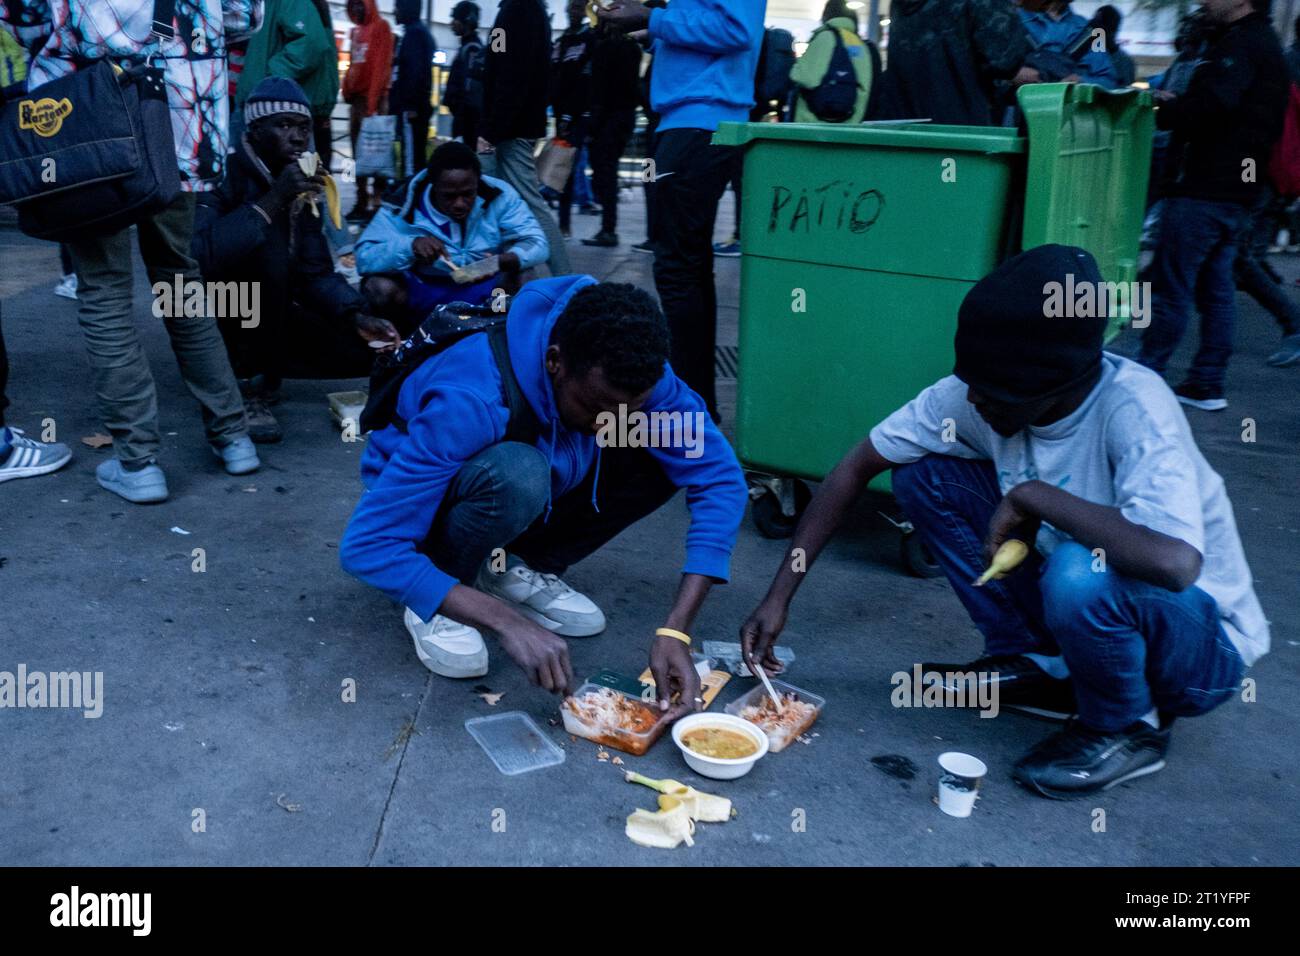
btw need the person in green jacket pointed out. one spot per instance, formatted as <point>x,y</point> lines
<point>810,69</point>
<point>296,41</point>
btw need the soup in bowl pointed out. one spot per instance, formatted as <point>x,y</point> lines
<point>719,745</point>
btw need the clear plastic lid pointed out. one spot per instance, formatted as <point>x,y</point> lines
<point>514,742</point>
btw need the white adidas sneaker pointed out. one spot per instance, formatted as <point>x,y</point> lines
<point>542,598</point>
<point>447,647</point>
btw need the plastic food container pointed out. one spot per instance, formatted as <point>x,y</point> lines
<point>628,741</point>
<point>347,406</point>
<point>514,743</point>
<point>719,768</point>
<point>780,738</point>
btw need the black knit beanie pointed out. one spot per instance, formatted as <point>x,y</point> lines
<point>1013,343</point>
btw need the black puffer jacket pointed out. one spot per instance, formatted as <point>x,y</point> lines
<point>289,255</point>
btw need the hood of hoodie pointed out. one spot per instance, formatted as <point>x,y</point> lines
<point>532,316</point>
<point>406,11</point>
<point>909,7</point>
<point>371,13</point>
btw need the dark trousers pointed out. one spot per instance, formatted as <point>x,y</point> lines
<point>415,142</point>
<point>1251,268</point>
<point>498,499</point>
<point>4,376</point>
<point>648,183</point>
<point>1130,646</point>
<point>323,137</point>
<point>1193,265</point>
<point>690,177</point>
<point>610,131</point>
<point>577,136</point>
<point>291,342</point>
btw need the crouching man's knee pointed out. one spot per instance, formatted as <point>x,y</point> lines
<point>1075,585</point>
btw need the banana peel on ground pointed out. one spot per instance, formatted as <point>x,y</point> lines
<point>680,807</point>
<point>309,163</point>
<point>705,807</point>
<point>664,829</point>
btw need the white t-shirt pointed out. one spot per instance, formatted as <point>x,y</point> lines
<point>1128,446</point>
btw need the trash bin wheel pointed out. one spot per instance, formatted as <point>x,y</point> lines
<point>917,558</point>
<point>770,520</point>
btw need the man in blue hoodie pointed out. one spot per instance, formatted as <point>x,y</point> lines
<point>472,513</point>
<point>705,55</point>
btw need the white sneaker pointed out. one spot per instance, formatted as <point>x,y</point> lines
<point>447,647</point>
<point>542,598</point>
<point>67,287</point>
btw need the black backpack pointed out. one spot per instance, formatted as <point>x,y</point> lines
<point>92,152</point>
<point>776,57</point>
<point>441,329</point>
<point>832,100</point>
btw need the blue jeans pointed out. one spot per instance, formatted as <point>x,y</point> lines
<point>1193,264</point>
<point>500,498</point>
<point>1130,646</point>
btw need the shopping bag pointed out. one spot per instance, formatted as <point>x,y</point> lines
<point>555,163</point>
<point>375,147</point>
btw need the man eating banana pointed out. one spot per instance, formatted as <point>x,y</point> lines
<point>265,226</point>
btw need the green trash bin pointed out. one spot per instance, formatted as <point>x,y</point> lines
<point>859,243</point>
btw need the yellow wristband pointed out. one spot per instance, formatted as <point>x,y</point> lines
<point>669,632</point>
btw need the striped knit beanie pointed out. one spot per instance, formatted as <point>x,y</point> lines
<point>276,94</point>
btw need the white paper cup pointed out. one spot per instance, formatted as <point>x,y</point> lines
<point>959,782</point>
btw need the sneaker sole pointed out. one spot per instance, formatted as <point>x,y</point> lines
<point>555,627</point>
<point>1205,404</point>
<point>1052,794</point>
<point>240,466</point>
<point>466,665</point>
<point>33,471</point>
<point>1284,363</point>
<point>1042,713</point>
<point>150,498</point>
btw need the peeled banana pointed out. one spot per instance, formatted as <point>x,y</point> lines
<point>309,163</point>
<point>700,806</point>
<point>664,829</point>
<point>1007,558</point>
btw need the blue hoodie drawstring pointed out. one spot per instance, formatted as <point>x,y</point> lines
<point>550,488</point>
<point>595,481</point>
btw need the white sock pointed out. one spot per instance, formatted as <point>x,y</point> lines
<point>1152,718</point>
<point>1051,666</point>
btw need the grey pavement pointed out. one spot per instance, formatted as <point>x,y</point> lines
<point>222,689</point>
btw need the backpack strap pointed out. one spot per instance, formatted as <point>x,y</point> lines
<point>523,425</point>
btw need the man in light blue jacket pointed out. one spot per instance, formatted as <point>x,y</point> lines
<point>705,57</point>
<point>447,219</point>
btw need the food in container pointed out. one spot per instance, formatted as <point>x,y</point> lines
<point>719,768</point>
<point>612,718</point>
<point>799,711</point>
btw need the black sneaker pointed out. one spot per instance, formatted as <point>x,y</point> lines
<point>262,426</point>
<point>1020,685</point>
<point>646,246</point>
<point>1077,760</point>
<point>602,238</point>
<point>1204,397</point>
